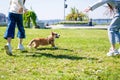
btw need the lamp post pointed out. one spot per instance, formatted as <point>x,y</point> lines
<point>65,6</point>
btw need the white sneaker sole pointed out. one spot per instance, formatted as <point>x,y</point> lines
<point>20,49</point>
<point>7,50</point>
<point>109,54</point>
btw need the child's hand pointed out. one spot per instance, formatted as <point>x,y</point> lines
<point>87,9</point>
<point>26,10</point>
<point>20,10</point>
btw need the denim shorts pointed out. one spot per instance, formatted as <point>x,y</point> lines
<point>113,30</point>
<point>14,20</point>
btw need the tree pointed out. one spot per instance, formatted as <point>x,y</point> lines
<point>75,15</point>
<point>28,18</point>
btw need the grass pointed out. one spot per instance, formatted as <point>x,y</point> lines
<point>81,55</point>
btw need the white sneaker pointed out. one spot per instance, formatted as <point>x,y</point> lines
<point>21,47</point>
<point>112,53</point>
<point>8,49</point>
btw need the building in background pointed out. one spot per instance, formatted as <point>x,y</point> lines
<point>3,19</point>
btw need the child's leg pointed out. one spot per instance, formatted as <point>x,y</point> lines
<point>21,31</point>
<point>111,36</point>
<point>113,32</point>
<point>10,30</point>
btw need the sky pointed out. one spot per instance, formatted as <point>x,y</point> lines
<point>54,9</point>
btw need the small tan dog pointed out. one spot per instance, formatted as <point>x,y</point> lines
<point>44,41</point>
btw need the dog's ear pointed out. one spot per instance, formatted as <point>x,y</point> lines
<point>52,33</point>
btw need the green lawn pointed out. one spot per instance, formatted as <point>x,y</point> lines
<point>81,55</point>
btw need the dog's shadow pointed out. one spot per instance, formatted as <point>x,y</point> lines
<point>57,56</point>
<point>54,49</point>
<point>37,53</point>
<point>60,56</point>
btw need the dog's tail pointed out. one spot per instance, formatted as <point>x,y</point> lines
<point>31,43</point>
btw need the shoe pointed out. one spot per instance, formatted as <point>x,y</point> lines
<point>8,49</point>
<point>112,53</point>
<point>21,47</point>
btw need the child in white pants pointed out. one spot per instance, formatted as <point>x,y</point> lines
<point>114,27</point>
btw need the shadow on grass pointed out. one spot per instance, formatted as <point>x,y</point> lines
<point>49,55</point>
<point>54,49</point>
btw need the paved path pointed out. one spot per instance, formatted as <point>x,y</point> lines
<point>77,27</point>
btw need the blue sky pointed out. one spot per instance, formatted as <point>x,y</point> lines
<point>54,9</point>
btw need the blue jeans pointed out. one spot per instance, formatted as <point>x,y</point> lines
<point>113,30</point>
<point>14,19</point>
